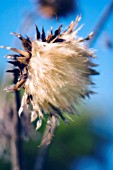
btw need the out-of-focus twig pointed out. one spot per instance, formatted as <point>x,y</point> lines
<point>101,23</point>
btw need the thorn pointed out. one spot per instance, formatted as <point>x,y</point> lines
<point>14,71</point>
<point>28,39</point>
<point>34,116</point>
<point>71,27</point>
<point>57,32</point>
<point>87,38</point>
<point>37,33</point>
<point>20,111</point>
<point>78,18</point>
<point>51,30</point>
<point>10,88</point>
<point>43,35</point>
<point>49,38</point>
<point>24,53</point>
<point>17,35</point>
<point>15,63</point>
<point>93,64</point>
<point>25,42</point>
<point>39,123</point>
<point>93,72</point>
<point>8,48</point>
<point>12,56</point>
<point>90,35</point>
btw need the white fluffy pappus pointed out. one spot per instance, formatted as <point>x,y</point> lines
<point>58,74</point>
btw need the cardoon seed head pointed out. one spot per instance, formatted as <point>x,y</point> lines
<point>55,72</point>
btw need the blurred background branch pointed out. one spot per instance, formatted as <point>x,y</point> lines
<point>102,21</point>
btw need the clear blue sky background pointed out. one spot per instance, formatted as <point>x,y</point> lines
<point>11,14</point>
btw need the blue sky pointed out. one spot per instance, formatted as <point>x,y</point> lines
<point>11,14</point>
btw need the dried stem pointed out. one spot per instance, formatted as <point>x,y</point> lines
<point>16,148</point>
<point>47,137</point>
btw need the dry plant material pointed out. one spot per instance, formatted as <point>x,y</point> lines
<point>55,72</point>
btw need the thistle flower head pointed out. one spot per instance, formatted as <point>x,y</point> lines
<point>54,71</point>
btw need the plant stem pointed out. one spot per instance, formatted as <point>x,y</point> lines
<point>16,143</point>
